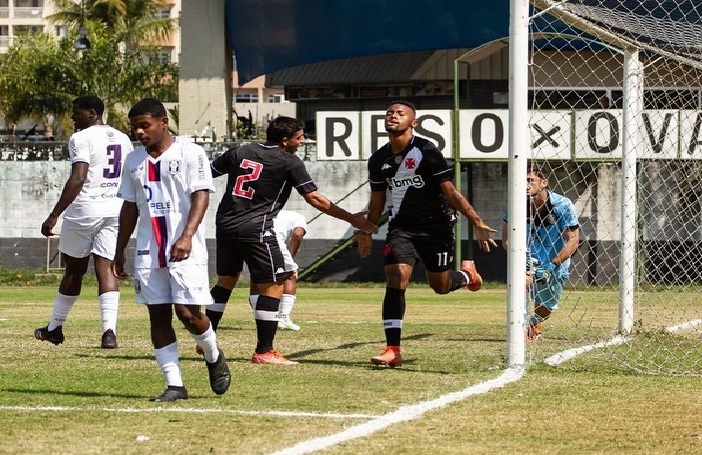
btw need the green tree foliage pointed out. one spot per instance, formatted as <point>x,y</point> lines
<point>40,74</point>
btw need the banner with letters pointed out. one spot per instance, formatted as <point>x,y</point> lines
<point>483,134</point>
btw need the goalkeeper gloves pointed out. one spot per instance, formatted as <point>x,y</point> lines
<point>543,272</point>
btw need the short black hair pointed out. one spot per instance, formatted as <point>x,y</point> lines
<point>90,102</point>
<point>281,127</point>
<point>537,170</point>
<point>148,106</point>
<point>404,103</point>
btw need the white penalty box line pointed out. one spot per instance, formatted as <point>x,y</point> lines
<point>326,415</point>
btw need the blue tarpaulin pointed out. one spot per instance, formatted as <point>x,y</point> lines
<point>269,35</point>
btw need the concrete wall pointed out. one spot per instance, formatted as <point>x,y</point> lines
<point>29,190</point>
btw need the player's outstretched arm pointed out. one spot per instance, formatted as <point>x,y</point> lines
<point>324,205</point>
<point>375,210</point>
<point>482,231</point>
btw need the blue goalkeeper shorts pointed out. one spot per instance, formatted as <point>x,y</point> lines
<point>548,292</point>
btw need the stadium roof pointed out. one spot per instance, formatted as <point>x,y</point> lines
<point>270,35</point>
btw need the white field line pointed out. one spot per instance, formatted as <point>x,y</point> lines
<point>569,354</point>
<point>406,413</point>
<point>188,410</point>
<point>402,414</point>
<point>683,326</point>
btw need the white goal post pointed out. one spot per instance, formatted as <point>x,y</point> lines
<point>617,85</point>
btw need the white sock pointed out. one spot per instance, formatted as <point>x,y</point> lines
<point>253,300</point>
<point>62,306</point>
<point>208,342</point>
<point>109,304</point>
<point>218,307</point>
<point>286,305</point>
<point>167,359</point>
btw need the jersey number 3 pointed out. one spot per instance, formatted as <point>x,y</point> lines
<point>114,162</point>
<point>244,179</point>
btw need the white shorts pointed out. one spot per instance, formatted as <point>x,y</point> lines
<point>184,284</point>
<point>81,238</point>
<point>290,264</point>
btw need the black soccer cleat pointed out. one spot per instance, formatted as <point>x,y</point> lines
<point>172,393</point>
<point>109,340</point>
<point>220,378</point>
<point>54,336</point>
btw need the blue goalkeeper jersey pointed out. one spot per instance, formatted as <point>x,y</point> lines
<point>545,228</point>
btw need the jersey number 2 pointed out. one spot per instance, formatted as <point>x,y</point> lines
<point>242,180</point>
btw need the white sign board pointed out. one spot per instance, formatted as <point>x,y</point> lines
<point>557,134</point>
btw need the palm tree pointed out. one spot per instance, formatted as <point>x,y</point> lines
<point>135,22</point>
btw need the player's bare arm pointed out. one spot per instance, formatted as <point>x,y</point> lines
<point>572,238</point>
<point>71,190</point>
<point>324,205</point>
<point>181,248</point>
<point>375,210</point>
<point>128,216</point>
<point>460,203</point>
<point>296,236</point>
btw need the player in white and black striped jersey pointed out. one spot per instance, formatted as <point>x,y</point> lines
<point>423,206</point>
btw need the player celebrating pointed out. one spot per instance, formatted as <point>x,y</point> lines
<point>166,186</point>
<point>424,201</point>
<point>261,177</point>
<point>90,223</point>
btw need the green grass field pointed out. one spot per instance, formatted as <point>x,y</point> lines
<point>77,398</point>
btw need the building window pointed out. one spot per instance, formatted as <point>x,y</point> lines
<point>275,98</point>
<point>247,97</point>
<point>28,29</point>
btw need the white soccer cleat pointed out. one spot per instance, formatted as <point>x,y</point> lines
<point>287,324</point>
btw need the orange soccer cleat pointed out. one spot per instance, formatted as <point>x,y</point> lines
<point>389,357</point>
<point>271,357</point>
<point>476,281</point>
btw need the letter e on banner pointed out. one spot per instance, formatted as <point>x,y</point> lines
<point>338,136</point>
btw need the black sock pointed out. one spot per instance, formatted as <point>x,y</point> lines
<point>219,295</point>
<point>393,308</point>
<point>266,330</point>
<point>457,280</point>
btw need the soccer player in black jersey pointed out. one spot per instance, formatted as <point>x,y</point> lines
<point>261,177</point>
<point>423,202</point>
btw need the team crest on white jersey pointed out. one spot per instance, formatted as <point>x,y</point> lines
<point>174,167</point>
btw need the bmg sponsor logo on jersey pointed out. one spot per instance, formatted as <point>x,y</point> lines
<point>405,180</point>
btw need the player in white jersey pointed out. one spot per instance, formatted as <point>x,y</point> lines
<point>90,220</point>
<point>166,186</point>
<point>290,227</point>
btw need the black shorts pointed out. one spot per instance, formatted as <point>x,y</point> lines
<point>264,259</point>
<point>435,249</point>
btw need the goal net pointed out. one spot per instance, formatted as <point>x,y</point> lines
<point>615,103</point>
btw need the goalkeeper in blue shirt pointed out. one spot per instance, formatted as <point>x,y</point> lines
<point>553,234</point>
